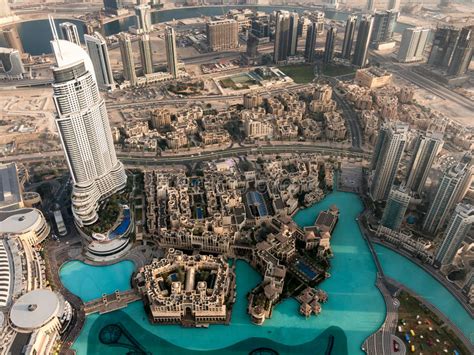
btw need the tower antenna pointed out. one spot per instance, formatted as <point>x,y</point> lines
<point>55,36</point>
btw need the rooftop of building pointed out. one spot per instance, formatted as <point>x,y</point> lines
<point>9,185</point>
<point>19,220</point>
<point>36,308</point>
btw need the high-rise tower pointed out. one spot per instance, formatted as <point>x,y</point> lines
<point>394,212</point>
<point>384,25</point>
<point>462,55</point>
<point>458,226</point>
<point>282,30</point>
<point>171,56</point>
<point>128,62</point>
<point>142,12</point>
<point>349,33</point>
<point>451,189</point>
<point>427,147</point>
<point>444,42</point>
<point>146,55</point>
<point>13,39</point>
<point>370,5</point>
<point>310,46</point>
<point>394,5</point>
<point>293,34</point>
<point>413,44</point>
<point>362,42</point>
<point>329,45</point>
<point>386,158</point>
<point>222,34</point>
<point>84,130</point>
<point>69,32</point>
<point>99,54</point>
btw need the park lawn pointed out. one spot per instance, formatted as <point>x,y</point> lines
<point>300,73</point>
<point>336,70</point>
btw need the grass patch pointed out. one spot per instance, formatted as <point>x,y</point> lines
<point>301,73</point>
<point>336,70</point>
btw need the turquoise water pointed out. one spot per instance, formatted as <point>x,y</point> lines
<point>411,275</point>
<point>355,308</point>
<point>90,282</point>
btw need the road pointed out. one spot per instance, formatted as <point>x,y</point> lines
<point>349,115</point>
<point>207,98</point>
<point>131,159</point>
<point>431,86</point>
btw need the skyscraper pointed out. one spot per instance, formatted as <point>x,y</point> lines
<point>463,52</point>
<point>69,32</point>
<point>349,33</point>
<point>142,12</point>
<point>370,5</point>
<point>222,34</point>
<point>459,224</point>
<point>252,45</point>
<point>5,10</point>
<point>444,42</point>
<point>394,212</point>
<point>318,18</point>
<point>413,44</point>
<point>329,45</point>
<point>282,33</point>
<point>310,47</point>
<point>171,55</point>
<point>362,42</point>
<point>387,154</point>
<point>394,5</point>
<point>384,25</point>
<point>127,58</point>
<point>146,55</point>
<point>84,130</point>
<point>427,147</point>
<point>113,6</point>
<point>293,34</point>
<point>99,54</point>
<point>13,39</point>
<point>451,189</point>
<point>11,64</point>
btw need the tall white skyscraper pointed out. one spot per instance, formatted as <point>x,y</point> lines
<point>146,53</point>
<point>99,54</point>
<point>143,15</point>
<point>386,158</point>
<point>427,147</point>
<point>84,130</point>
<point>69,32</point>
<point>451,189</point>
<point>413,44</point>
<point>171,55</point>
<point>397,204</point>
<point>459,224</point>
<point>128,62</point>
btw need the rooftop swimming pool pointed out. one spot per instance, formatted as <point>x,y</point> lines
<point>355,308</point>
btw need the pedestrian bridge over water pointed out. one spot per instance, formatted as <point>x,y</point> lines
<point>111,302</point>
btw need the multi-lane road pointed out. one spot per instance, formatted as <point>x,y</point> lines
<point>138,159</point>
<point>407,73</point>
